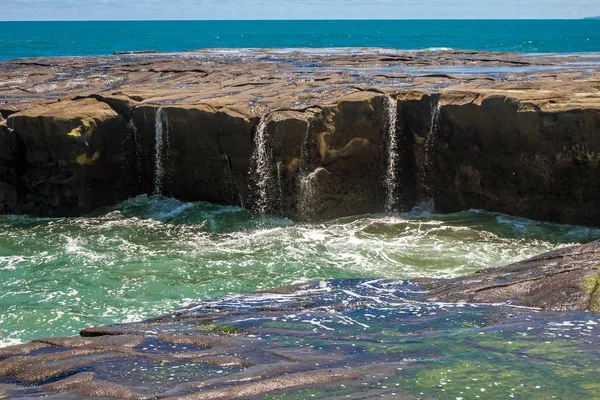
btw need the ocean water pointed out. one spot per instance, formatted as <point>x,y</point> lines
<point>37,39</point>
<point>151,255</point>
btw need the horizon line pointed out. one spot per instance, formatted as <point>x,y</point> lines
<point>303,19</point>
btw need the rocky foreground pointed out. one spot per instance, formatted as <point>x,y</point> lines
<point>528,330</point>
<point>307,134</point>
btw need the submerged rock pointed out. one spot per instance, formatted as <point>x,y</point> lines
<point>492,333</point>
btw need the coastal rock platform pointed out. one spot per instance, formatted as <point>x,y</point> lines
<point>504,332</point>
<point>308,134</point>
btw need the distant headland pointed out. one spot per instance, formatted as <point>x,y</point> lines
<point>597,17</point>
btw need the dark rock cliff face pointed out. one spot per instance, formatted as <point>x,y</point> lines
<point>460,150</point>
<point>498,154</point>
<point>69,158</point>
<point>8,170</point>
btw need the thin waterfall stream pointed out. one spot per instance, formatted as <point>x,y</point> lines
<point>430,144</point>
<point>263,174</point>
<point>391,177</point>
<point>161,139</point>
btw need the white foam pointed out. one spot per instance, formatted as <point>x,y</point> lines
<point>10,342</point>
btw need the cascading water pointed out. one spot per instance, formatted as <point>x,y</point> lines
<point>391,178</point>
<point>308,194</point>
<point>307,182</point>
<point>430,144</point>
<point>263,175</point>
<point>161,138</point>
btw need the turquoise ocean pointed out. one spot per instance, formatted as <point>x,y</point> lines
<point>39,39</point>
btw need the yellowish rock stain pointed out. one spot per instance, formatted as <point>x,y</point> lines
<point>83,159</point>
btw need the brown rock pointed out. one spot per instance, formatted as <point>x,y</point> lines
<point>78,157</point>
<point>522,140</point>
<point>565,279</point>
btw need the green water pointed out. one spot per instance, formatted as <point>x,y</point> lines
<point>150,255</point>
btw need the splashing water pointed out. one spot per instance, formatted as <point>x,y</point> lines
<point>263,175</point>
<point>152,255</point>
<point>161,137</point>
<point>307,181</point>
<point>307,194</point>
<point>391,177</point>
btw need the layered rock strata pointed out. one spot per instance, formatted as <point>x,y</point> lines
<point>304,135</point>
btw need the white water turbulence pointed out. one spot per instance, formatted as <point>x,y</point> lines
<point>391,178</point>
<point>161,139</point>
<point>430,145</point>
<point>263,175</point>
<point>152,255</point>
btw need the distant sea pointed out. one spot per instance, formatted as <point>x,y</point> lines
<point>35,39</point>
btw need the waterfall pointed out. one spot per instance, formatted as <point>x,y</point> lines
<point>307,194</point>
<point>161,123</point>
<point>262,158</point>
<point>430,145</point>
<point>391,178</point>
<point>307,181</point>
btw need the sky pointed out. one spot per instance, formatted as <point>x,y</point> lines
<point>19,10</point>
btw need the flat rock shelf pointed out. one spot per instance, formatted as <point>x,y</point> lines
<point>308,134</point>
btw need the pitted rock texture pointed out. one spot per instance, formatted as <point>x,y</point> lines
<point>512,133</point>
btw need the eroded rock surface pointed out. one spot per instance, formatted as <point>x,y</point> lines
<point>304,134</point>
<point>524,330</point>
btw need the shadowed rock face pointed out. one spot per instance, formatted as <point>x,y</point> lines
<point>357,338</point>
<point>304,135</point>
<point>498,153</point>
<point>73,157</point>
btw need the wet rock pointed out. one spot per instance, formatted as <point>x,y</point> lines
<point>85,385</point>
<point>522,139</point>
<point>93,342</point>
<point>495,330</point>
<point>6,389</point>
<point>23,349</point>
<point>270,385</point>
<point>565,279</point>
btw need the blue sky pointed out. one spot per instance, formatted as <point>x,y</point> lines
<point>293,9</point>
